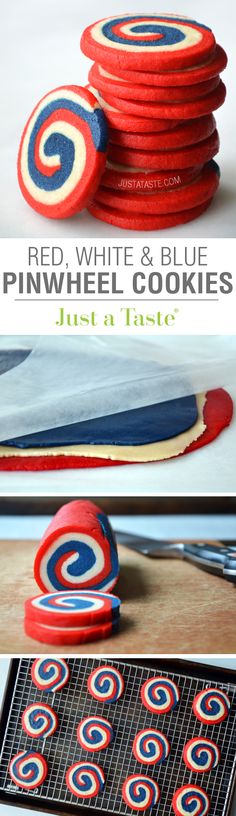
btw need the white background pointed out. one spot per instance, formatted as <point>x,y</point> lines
<point>196,314</point>
<point>9,810</point>
<point>40,50</point>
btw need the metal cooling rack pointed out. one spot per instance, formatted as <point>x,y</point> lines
<point>127,716</point>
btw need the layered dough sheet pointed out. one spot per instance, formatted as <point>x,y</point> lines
<point>155,451</point>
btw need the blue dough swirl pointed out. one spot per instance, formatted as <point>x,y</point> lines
<point>139,426</point>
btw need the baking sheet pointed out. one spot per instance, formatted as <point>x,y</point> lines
<point>127,716</point>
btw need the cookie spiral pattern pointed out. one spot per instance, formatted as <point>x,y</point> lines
<point>63,145</point>
<point>39,720</point>
<point>85,779</point>
<point>73,606</point>
<point>106,684</point>
<point>140,792</point>
<point>152,38</point>
<point>94,733</point>
<point>50,674</point>
<point>211,706</point>
<point>190,799</point>
<point>78,551</point>
<point>150,746</point>
<point>28,769</point>
<point>201,755</point>
<point>160,695</point>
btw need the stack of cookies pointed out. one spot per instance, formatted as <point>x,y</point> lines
<point>157,78</point>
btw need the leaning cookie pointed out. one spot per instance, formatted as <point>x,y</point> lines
<point>62,152</point>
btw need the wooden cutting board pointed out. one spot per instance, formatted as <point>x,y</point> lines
<point>168,606</point>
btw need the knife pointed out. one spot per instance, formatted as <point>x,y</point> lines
<point>218,560</point>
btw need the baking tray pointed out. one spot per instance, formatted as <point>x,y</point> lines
<point>127,716</point>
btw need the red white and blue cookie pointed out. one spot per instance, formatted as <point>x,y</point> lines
<point>151,747</point>
<point>73,607</point>
<point>160,695</point>
<point>185,133</point>
<point>135,179</point>
<point>39,720</point>
<point>126,121</point>
<point>215,64</point>
<point>50,674</point>
<point>62,152</point>
<point>140,792</point>
<point>94,733</point>
<point>104,81</point>
<point>211,706</point>
<point>106,684</point>
<point>28,770</point>
<point>201,754</point>
<point>85,779</point>
<point>190,799</point>
<point>69,635</point>
<point>191,195</point>
<point>170,110</point>
<point>180,158</point>
<point>146,222</point>
<point>153,41</point>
